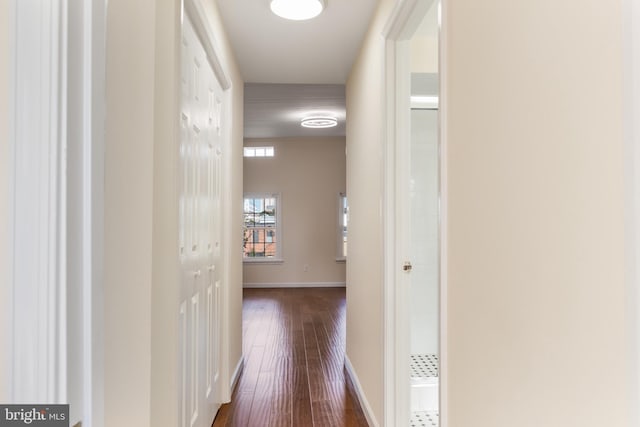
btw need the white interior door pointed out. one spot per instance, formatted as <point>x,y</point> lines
<point>200,210</point>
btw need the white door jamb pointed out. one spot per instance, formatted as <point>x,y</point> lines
<point>401,25</point>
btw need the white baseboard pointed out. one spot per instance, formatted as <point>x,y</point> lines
<point>296,285</point>
<point>236,374</point>
<point>364,404</point>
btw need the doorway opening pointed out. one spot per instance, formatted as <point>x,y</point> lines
<point>415,192</point>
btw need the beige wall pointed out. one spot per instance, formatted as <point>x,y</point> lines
<point>141,268</point>
<point>4,196</point>
<point>309,174</point>
<point>128,211</point>
<point>536,238</point>
<point>165,271</point>
<point>365,131</point>
<point>421,62</point>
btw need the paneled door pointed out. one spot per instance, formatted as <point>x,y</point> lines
<point>200,155</point>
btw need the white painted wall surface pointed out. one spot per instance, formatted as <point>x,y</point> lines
<point>5,170</point>
<point>424,232</point>
<point>537,292</point>
<point>309,174</point>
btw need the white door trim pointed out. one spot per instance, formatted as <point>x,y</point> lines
<point>443,75</point>
<point>631,93</point>
<point>402,23</point>
<point>38,105</point>
<point>93,126</point>
<point>197,14</point>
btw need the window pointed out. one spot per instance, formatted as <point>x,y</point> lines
<point>343,220</point>
<point>259,151</point>
<point>261,240</point>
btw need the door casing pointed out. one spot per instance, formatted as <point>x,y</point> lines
<point>398,31</point>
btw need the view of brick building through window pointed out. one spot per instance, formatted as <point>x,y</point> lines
<point>260,227</point>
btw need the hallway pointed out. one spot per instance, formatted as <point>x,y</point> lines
<point>294,356</point>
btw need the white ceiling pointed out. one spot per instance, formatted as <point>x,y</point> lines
<point>270,49</point>
<point>294,68</point>
<point>275,110</point>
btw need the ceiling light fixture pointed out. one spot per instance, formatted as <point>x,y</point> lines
<point>297,10</point>
<point>316,122</point>
<point>424,102</point>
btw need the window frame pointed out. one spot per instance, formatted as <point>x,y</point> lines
<point>251,152</point>
<point>277,259</point>
<point>343,228</point>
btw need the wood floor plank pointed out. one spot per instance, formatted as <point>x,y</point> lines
<point>293,376</point>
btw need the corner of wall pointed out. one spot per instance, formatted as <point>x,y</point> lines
<point>362,398</point>
<point>365,147</point>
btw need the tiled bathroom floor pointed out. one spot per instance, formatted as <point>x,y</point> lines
<point>425,419</point>
<point>424,366</point>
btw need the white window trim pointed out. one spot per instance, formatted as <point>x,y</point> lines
<point>340,256</point>
<point>269,152</point>
<point>278,259</point>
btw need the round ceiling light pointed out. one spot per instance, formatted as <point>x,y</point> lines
<point>297,10</point>
<point>319,122</point>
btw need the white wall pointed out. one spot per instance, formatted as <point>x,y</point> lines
<point>537,294</point>
<point>141,214</point>
<point>309,174</point>
<point>424,241</point>
<point>5,268</point>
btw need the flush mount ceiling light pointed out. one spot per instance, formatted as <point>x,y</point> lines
<point>429,102</point>
<point>319,122</point>
<point>297,10</point>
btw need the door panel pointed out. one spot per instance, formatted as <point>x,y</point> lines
<point>199,232</point>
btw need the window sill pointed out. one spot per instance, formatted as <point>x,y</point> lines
<point>263,261</point>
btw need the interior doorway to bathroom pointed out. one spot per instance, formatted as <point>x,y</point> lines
<point>414,219</point>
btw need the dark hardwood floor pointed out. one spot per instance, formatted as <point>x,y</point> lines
<point>293,374</point>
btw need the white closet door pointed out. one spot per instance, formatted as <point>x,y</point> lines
<point>200,158</point>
